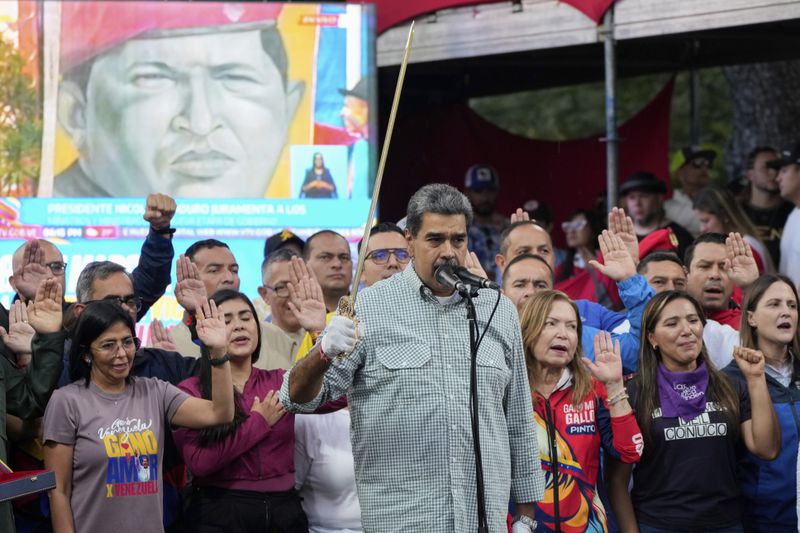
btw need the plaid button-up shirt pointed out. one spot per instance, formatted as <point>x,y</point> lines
<point>407,383</point>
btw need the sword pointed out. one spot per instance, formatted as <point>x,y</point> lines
<point>347,304</point>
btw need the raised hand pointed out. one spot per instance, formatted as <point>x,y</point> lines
<point>751,362</point>
<point>159,211</point>
<point>211,329</point>
<point>742,267</point>
<point>519,215</point>
<point>305,296</point>
<point>32,272</point>
<point>160,337</point>
<point>271,408</point>
<point>190,291</point>
<point>44,312</point>
<point>472,264</point>
<point>622,226</point>
<point>619,264</point>
<point>20,333</point>
<point>607,365</point>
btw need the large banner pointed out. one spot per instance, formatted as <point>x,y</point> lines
<point>254,116</point>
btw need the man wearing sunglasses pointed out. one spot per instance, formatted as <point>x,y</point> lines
<point>690,166</point>
<point>387,253</point>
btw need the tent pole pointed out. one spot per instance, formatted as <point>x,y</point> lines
<point>694,97</point>
<point>612,140</point>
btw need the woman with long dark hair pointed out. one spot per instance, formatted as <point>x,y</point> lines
<point>719,212</point>
<point>244,470</point>
<point>581,232</point>
<point>319,182</point>
<point>770,325</point>
<point>104,433</point>
<point>693,418</point>
<point>577,412</point>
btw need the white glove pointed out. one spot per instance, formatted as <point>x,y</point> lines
<point>339,336</point>
<point>519,527</point>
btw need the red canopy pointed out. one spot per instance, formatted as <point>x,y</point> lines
<point>392,12</point>
<point>440,143</point>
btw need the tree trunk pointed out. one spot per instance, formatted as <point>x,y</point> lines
<point>766,109</point>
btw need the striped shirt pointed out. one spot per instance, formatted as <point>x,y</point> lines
<point>407,383</point>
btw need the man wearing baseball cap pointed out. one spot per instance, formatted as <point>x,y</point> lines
<point>763,202</point>
<point>690,167</point>
<point>480,187</point>
<point>189,99</point>
<point>643,194</point>
<point>788,166</point>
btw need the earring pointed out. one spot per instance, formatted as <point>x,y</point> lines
<point>655,347</point>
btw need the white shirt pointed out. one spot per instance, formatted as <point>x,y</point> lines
<point>720,340</point>
<point>679,209</point>
<point>790,247</point>
<point>325,474</point>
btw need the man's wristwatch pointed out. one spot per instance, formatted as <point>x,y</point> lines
<point>525,519</point>
<point>219,361</point>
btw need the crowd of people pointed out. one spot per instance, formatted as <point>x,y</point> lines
<point>643,379</point>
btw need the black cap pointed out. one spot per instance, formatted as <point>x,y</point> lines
<point>279,240</point>
<point>690,153</point>
<point>790,155</point>
<point>643,181</point>
<point>359,90</point>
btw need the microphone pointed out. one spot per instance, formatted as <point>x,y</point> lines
<point>474,280</point>
<point>445,275</point>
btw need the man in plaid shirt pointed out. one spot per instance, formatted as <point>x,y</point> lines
<point>407,381</point>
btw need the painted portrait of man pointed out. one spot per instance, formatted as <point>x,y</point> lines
<point>189,100</point>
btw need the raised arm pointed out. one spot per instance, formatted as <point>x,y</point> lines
<point>742,267</point>
<point>762,433</point>
<point>27,392</point>
<point>152,275</point>
<point>619,431</point>
<point>305,297</point>
<point>634,291</point>
<point>197,412</point>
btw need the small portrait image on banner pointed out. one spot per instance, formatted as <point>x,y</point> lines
<point>320,172</point>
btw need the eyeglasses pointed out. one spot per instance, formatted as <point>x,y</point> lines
<point>281,291</point>
<point>701,163</point>
<point>131,301</point>
<point>381,256</point>
<point>109,347</point>
<point>576,225</point>
<point>57,267</point>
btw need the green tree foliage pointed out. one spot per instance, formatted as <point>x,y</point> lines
<point>579,111</point>
<point>20,125</point>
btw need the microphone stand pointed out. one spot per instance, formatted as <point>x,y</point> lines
<point>474,334</point>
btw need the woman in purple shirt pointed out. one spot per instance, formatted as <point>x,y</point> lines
<point>243,471</point>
